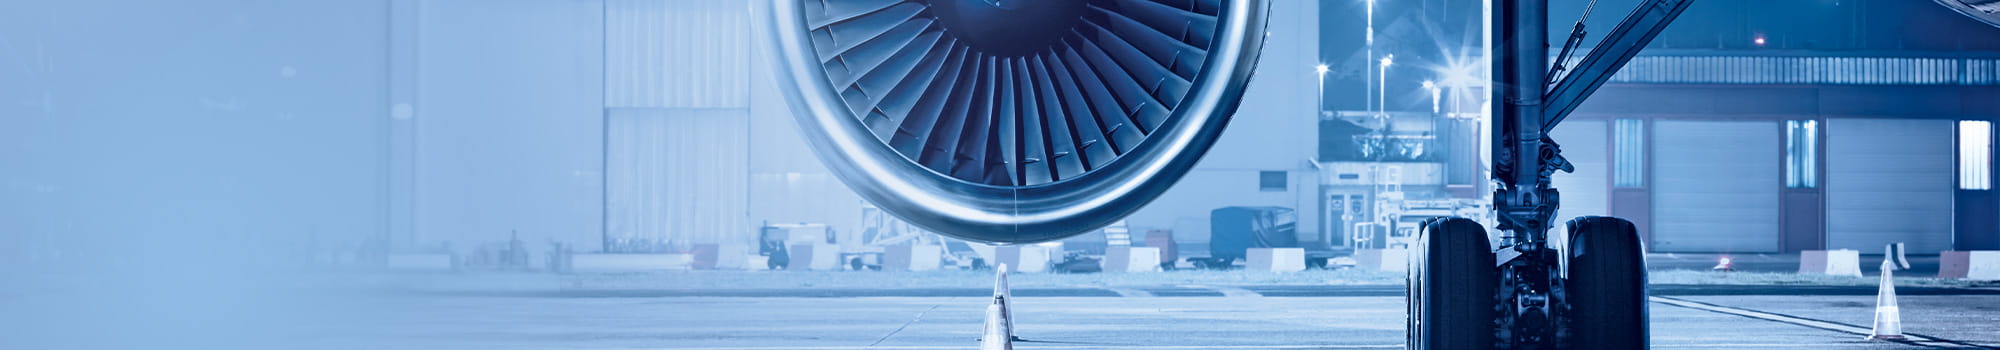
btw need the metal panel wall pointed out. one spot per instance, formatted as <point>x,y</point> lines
<point>679,175</point>
<point>677,53</point>
<point>1889,180</point>
<point>508,121</point>
<point>677,148</point>
<point>1716,186</point>
<point>1811,70</point>
<point>1586,191</point>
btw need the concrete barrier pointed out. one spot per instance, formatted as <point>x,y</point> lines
<point>1382,259</point>
<point>1131,259</point>
<point>721,256</point>
<point>1843,262</point>
<point>814,257</point>
<point>630,262</point>
<point>1164,239</point>
<point>1022,258</point>
<point>1275,259</point>
<point>1981,265</point>
<point>912,257</point>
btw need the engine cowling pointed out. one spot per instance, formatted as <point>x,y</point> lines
<point>1983,10</point>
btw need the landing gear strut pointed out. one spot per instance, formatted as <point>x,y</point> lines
<point>1469,292</point>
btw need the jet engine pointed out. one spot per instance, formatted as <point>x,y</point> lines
<point>1013,121</point>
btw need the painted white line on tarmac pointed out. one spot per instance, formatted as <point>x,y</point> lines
<point>1130,293</point>
<point>1229,292</point>
<point>1839,327</point>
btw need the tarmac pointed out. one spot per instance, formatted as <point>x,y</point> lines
<point>1166,317</point>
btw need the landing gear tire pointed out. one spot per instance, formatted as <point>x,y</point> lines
<point>1451,287</point>
<point>1607,284</point>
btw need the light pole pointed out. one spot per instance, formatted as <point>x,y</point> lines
<point>1370,41</point>
<point>1319,108</point>
<point>1433,87</point>
<point>1382,78</point>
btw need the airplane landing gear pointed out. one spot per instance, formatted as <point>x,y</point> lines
<point>1461,297</point>
<point>1466,294</point>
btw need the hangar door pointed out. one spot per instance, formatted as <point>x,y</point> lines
<point>1586,192</point>
<point>1587,145</point>
<point>1715,186</point>
<point>1889,180</point>
<point>677,175</point>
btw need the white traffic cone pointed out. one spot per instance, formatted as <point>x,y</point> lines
<point>997,335</point>
<point>1888,318</point>
<point>1003,295</point>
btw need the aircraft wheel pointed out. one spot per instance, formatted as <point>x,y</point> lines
<point>1451,287</point>
<point>1606,285</point>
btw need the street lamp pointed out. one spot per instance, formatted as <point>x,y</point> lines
<point>1433,87</point>
<point>1320,99</point>
<point>1370,44</point>
<point>1382,78</point>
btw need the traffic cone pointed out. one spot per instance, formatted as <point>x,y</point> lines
<point>1003,295</point>
<point>999,333</point>
<point>1000,290</point>
<point>1888,318</point>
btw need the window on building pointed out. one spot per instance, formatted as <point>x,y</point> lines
<point>1271,181</point>
<point>1975,155</point>
<point>1801,153</point>
<point>1629,152</point>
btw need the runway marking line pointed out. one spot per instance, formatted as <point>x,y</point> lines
<point>1229,292</point>
<point>1914,339</point>
<point>1130,293</point>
